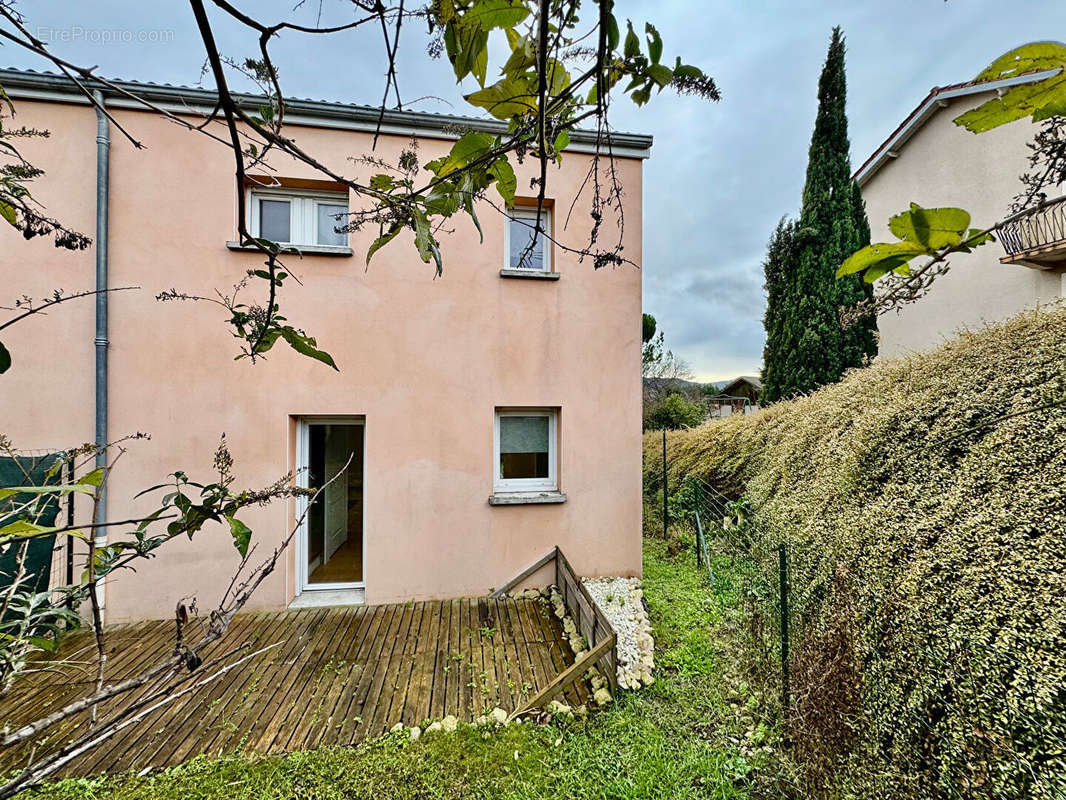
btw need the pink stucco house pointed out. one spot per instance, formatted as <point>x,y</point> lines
<point>495,412</point>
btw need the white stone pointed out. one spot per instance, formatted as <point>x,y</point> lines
<point>397,728</point>
<point>433,727</point>
<point>449,723</point>
<point>620,601</point>
<point>499,715</point>
<point>416,733</point>
<point>601,697</point>
<point>556,707</point>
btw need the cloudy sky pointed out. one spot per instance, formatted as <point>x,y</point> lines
<point>721,174</point>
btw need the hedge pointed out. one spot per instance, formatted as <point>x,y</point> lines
<point>924,503</point>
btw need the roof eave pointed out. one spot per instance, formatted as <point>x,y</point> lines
<point>182,99</point>
<point>934,101</point>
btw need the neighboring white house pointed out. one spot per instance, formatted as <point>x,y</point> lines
<point>933,162</point>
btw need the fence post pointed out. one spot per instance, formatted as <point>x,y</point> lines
<point>782,566</point>
<point>666,514</point>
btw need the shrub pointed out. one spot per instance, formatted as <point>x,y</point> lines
<point>924,503</point>
<point>672,413</point>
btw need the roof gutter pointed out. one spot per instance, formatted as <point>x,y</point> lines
<point>316,113</point>
<point>936,100</point>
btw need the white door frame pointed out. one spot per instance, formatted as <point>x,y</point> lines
<point>303,441</point>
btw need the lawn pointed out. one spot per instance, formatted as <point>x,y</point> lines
<point>696,733</point>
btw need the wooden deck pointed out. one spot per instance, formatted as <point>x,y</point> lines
<point>335,677</point>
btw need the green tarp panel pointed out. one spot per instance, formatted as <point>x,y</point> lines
<point>28,471</point>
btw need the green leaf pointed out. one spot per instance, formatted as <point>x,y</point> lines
<point>94,478</point>
<point>661,75</point>
<point>655,43</point>
<point>23,529</point>
<point>383,240</point>
<point>562,141</point>
<point>612,33</point>
<point>7,211</point>
<point>889,254</point>
<point>934,228</point>
<point>488,14</point>
<point>467,49</point>
<point>467,149</point>
<point>1040,100</point>
<point>382,182</point>
<point>506,98</point>
<point>306,346</point>
<point>5,359</point>
<point>632,45</point>
<point>506,182</point>
<point>242,535</point>
<point>423,238</point>
<point>59,488</point>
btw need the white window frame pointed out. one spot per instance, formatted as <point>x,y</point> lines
<point>518,485</point>
<point>529,213</point>
<point>303,212</point>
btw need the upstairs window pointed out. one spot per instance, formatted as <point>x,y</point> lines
<point>527,249</point>
<point>298,217</point>
<point>525,451</point>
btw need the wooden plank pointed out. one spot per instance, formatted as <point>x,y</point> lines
<point>390,668</point>
<point>425,677</point>
<point>453,698</point>
<point>266,705</point>
<point>493,665</point>
<point>198,715</point>
<point>508,652</point>
<point>567,676</point>
<point>521,576</point>
<point>303,686</point>
<point>552,644</point>
<point>347,675</point>
<point>342,723</point>
<point>318,704</point>
<point>471,656</point>
<point>139,743</point>
<point>540,660</point>
<point>225,726</point>
<point>400,681</point>
<point>363,705</point>
<point>525,664</point>
<point>442,665</point>
<point>154,645</point>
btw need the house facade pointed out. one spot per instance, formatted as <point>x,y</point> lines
<point>493,413</point>
<point>931,161</point>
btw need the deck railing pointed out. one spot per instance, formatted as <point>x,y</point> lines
<point>591,623</point>
<point>1041,229</point>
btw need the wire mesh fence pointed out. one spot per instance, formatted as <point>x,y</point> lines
<point>964,717</point>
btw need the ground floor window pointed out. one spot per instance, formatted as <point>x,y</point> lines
<point>333,529</point>
<point>525,445</point>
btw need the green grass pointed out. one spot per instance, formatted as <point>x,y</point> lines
<point>695,734</point>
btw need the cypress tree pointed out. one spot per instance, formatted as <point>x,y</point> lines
<point>778,271</point>
<point>811,347</point>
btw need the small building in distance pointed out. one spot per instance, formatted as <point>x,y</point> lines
<point>738,396</point>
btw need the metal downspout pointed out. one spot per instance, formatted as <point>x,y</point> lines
<point>103,149</point>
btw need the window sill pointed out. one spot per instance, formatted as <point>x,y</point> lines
<point>302,250</point>
<point>525,498</point>
<point>529,273</point>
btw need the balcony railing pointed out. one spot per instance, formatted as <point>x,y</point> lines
<point>1038,238</point>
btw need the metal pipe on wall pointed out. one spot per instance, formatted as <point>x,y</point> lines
<point>103,180</point>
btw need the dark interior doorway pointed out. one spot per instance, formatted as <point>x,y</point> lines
<point>335,518</point>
